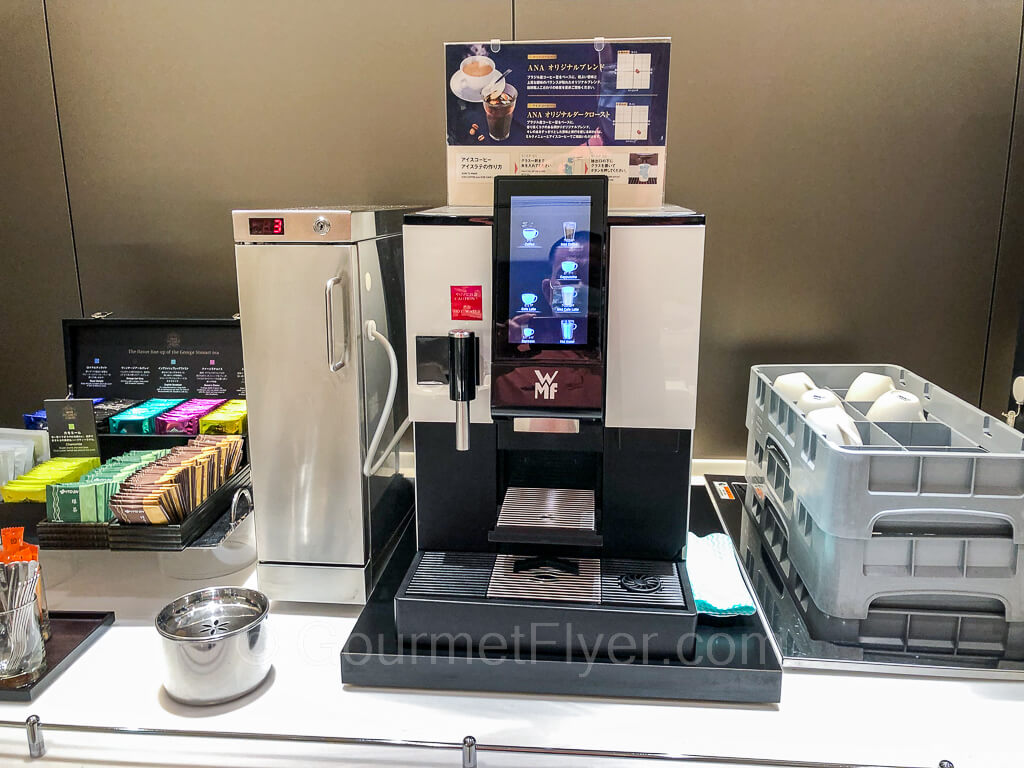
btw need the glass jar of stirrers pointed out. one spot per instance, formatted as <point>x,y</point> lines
<point>22,652</point>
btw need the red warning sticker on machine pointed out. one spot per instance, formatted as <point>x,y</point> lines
<point>724,491</point>
<point>467,302</point>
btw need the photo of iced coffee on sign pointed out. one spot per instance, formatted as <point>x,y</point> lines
<point>498,106</point>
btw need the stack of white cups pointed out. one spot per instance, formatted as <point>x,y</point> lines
<point>825,410</point>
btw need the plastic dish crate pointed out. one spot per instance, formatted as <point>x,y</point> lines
<point>778,603</point>
<point>966,626</point>
<point>932,508</point>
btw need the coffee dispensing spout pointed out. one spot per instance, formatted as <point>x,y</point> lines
<point>461,381</point>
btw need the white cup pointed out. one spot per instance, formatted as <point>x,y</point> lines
<point>868,387</point>
<point>814,399</point>
<point>528,333</point>
<point>568,267</point>
<point>569,295</point>
<point>896,405</point>
<point>792,385</point>
<point>476,83</point>
<point>836,424</point>
<point>529,299</point>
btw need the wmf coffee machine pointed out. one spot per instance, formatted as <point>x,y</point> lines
<point>552,427</point>
<point>321,298</point>
<point>552,357</point>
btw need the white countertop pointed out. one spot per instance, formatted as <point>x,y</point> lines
<point>823,717</point>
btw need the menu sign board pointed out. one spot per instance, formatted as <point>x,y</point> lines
<point>558,107</point>
<point>72,428</point>
<point>143,360</point>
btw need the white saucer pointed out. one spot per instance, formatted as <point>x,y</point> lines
<point>459,88</point>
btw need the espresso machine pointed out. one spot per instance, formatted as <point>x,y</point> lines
<point>552,358</point>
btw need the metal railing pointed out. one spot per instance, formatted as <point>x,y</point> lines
<point>469,747</point>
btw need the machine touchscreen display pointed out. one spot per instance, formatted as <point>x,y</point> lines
<point>549,269</point>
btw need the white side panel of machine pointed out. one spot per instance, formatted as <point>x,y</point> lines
<point>438,257</point>
<point>654,294</point>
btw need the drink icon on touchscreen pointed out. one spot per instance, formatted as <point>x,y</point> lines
<point>569,295</point>
<point>568,329</point>
<point>530,233</point>
<point>569,267</point>
<point>527,334</point>
<point>569,231</point>
<point>529,299</point>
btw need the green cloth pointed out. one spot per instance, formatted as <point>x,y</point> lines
<point>718,586</point>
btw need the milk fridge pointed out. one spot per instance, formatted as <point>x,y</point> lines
<point>322,305</point>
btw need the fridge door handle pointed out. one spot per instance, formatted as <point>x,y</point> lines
<point>332,363</point>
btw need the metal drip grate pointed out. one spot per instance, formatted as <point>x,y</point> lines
<point>546,583</point>
<point>641,582</point>
<point>452,573</point>
<point>215,627</point>
<point>547,508</point>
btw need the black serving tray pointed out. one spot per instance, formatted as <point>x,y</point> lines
<point>794,624</point>
<point>73,535</point>
<point>71,632</point>
<point>177,537</point>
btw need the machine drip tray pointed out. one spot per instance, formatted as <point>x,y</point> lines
<point>560,605</point>
<point>564,516</point>
<point>734,659</point>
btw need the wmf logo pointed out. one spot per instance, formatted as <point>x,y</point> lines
<point>546,386</point>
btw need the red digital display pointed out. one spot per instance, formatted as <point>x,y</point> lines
<point>266,226</point>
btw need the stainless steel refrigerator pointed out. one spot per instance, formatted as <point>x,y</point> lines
<point>317,384</point>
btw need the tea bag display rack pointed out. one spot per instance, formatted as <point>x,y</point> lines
<point>221,506</point>
<point>139,359</point>
<point>210,525</point>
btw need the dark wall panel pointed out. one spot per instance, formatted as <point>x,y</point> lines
<point>850,157</point>
<point>1008,293</point>
<point>176,111</point>
<point>37,262</point>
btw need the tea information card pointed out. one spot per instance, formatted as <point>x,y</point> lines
<point>72,427</point>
